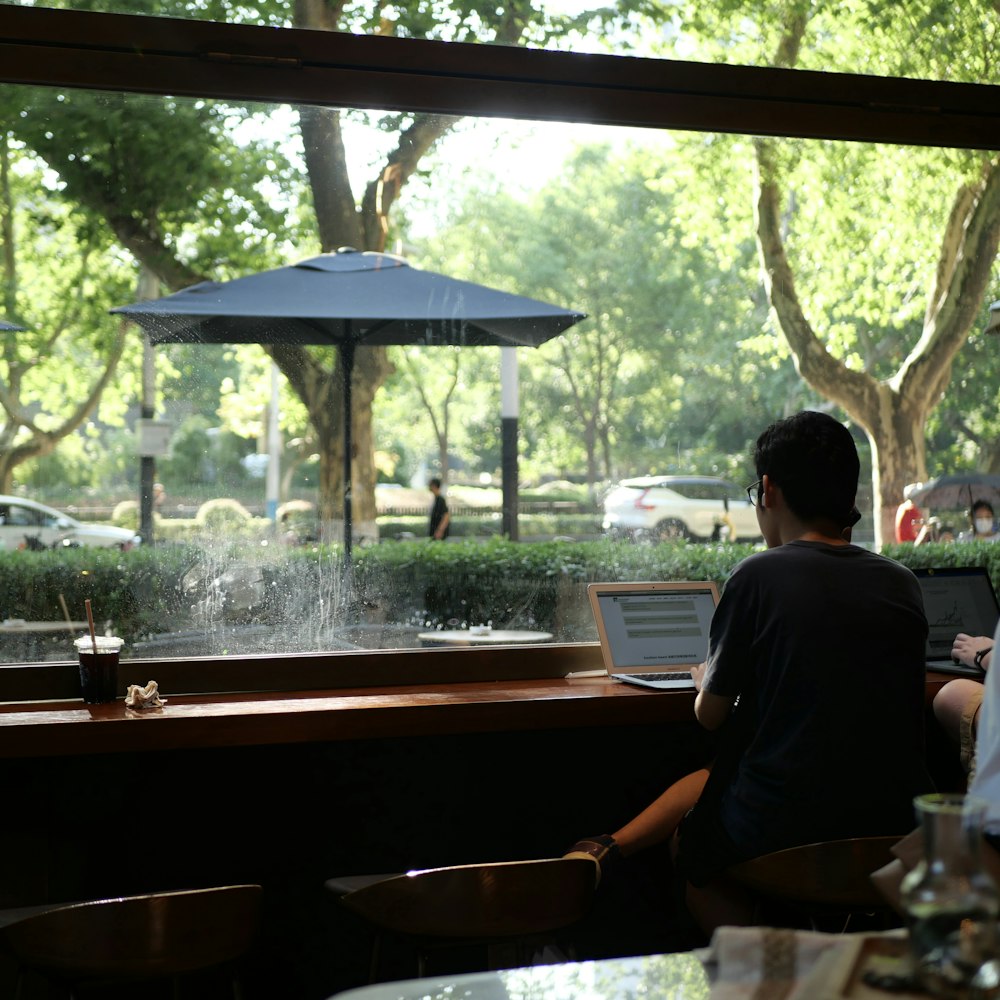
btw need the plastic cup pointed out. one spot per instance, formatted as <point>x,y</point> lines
<point>98,669</point>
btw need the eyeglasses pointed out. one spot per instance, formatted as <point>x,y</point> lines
<point>756,487</point>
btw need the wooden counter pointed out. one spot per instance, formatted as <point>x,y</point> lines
<point>47,729</point>
<point>217,720</point>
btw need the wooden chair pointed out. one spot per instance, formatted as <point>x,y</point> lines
<point>827,884</point>
<point>164,935</point>
<point>508,907</point>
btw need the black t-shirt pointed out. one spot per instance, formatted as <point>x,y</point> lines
<point>824,647</point>
<point>438,510</point>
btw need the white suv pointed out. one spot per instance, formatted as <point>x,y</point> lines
<point>658,508</point>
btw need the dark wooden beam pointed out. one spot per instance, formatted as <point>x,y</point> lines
<point>68,48</point>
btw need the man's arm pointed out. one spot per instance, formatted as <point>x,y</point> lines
<point>443,526</point>
<point>711,710</point>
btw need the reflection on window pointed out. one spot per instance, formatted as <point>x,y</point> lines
<point>726,280</point>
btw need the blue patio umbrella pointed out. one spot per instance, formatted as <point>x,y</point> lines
<point>346,299</point>
<point>6,327</point>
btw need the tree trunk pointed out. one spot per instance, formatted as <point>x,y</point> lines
<point>590,442</point>
<point>342,223</point>
<point>895,431</point>
<point>371,369</point>
<point>606,453</point>
<point>9,298</point>
<point>892,412</point>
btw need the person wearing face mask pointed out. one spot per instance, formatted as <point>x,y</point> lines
<point>983,524</point>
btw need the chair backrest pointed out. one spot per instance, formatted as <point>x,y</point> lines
<point>136,937</point>
<point>502,899</point>
<point>833,873</point>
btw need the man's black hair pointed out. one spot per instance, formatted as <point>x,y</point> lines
<point>434,482</point>
<point>813,458</point>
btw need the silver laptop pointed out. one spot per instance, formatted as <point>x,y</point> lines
<point>653,633</point>
<point>956,599</point>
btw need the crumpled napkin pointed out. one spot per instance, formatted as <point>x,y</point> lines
<point>753,963</point>
<point>144,697</point>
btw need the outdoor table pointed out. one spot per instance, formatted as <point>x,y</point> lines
<point>495,637</point>
<point>27,640</point>
<point>19,626</point>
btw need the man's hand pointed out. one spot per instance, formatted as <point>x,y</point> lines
<point>965,647</point>
<point>698,675</point>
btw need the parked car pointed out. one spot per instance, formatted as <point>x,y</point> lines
<point>658,508</point>
<point>25,524</point>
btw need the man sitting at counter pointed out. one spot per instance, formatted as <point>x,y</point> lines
<point>814,680</point>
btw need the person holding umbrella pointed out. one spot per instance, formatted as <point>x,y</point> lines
<point>982,524</point>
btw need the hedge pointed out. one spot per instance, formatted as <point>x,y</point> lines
<point>139,591</point>
<point>159,589</point>
<point>488,525</point>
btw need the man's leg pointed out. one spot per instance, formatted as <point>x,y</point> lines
<point>956,707</point>
<point>658,821</point>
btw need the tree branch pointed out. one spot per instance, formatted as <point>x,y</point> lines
<point>381,193</point>
<point>47,439</point>
<point>326,163</point>
<point>814,363</point>
<point>959,287</point>
<point>151,251</point>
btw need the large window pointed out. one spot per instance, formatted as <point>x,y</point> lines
<point>706,261</point>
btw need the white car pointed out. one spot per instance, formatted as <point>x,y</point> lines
<point>658,508</point>
<point>25,524</point>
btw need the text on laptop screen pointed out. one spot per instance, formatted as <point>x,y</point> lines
<point>649,629</point>
<point>956,601</point>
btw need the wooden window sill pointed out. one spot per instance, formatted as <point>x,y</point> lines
<point>219,720</point>
<point>47,729</point>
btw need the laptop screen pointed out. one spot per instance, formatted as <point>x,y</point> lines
<point>653,626</point>
<point>956,599</point>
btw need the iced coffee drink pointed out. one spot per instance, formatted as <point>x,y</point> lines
<point>98,667</point>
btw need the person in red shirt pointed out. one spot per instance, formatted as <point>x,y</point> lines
<point>908,521</point>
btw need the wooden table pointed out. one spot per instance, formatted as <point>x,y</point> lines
<point>65,727</point>
<point>46,729</point>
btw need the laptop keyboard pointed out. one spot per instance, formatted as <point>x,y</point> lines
<point>957,669</point>
<point>668,675</point>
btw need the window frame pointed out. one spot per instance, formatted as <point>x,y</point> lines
<point>142,54</point>
<point>160,56</point>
